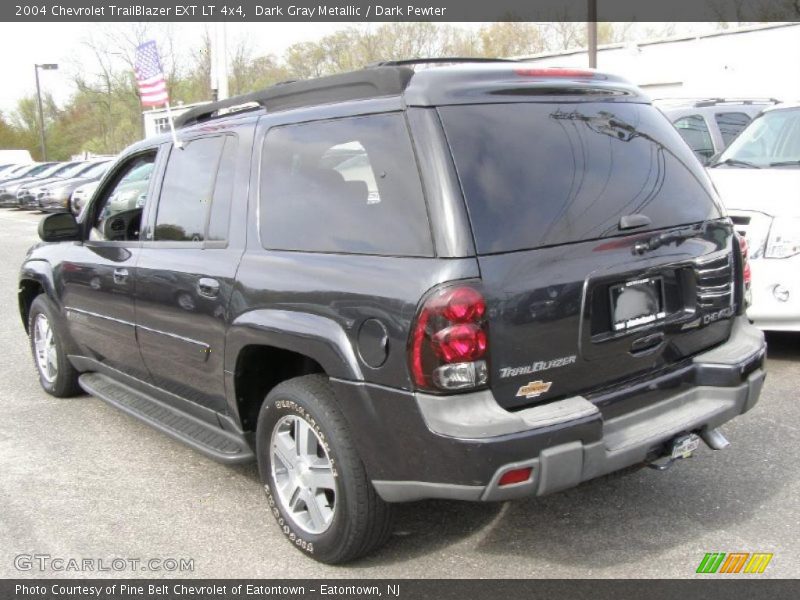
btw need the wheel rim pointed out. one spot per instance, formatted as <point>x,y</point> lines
<point>44,344</point>
<point>302,474</point>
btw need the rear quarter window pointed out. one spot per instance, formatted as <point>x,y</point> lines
<point>544,174</point>
<point>347,185</point>
<point>694,130</point>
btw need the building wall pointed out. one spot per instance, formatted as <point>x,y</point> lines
<point>753,62</point>
<point>156,120</point>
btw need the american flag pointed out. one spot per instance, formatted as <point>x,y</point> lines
<point>150,75</point>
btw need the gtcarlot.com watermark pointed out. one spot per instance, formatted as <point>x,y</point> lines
<point>60,564</point>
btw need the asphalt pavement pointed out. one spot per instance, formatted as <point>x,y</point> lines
<point>81,480</point>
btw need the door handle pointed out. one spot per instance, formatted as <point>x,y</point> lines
<point>207,287</point>
<point>120,276</point>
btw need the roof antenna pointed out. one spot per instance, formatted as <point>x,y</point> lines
<point>175,141</point>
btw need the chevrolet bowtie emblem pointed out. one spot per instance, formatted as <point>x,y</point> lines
<point>534,389</point>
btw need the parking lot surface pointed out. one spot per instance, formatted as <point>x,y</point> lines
<point>79,479</point>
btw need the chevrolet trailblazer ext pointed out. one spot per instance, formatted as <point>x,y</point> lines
<point>477,281</point>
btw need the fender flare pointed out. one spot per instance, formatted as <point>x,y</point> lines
<point>315,336</point>
<point>40,271</point>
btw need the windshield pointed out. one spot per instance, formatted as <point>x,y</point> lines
<point>54,170</point>
<point>36,170</point>
<point>543,174</point>
<point>15,170</point>
<point>96,170</point>
<point>72,170</point>
<point>771,140</point>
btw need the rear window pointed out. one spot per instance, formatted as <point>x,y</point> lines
<point>347,185</point>
<point>545,174</point>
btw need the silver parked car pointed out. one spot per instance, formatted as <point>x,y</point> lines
<point>709,125</point>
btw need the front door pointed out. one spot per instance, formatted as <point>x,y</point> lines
<point>186,270</point>
<point>98,277</point>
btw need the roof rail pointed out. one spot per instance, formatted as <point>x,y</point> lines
<point>715,101</point>
<point>356,85</point>
<point>438,60</point>
<point>700,102</point>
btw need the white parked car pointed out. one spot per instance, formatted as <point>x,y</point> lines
<point>758,178</point>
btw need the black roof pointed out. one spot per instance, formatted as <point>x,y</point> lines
<point>427,82</point>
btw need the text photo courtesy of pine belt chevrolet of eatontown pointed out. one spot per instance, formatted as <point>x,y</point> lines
<point>399,298</point>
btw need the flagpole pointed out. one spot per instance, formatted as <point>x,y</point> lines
<point>175,140</point>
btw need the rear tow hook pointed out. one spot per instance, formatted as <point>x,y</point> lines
<point>684,446</point>
<point>678,448</point>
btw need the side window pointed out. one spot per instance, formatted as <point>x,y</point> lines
<point>730,124</point>
<point>118,214</point>
<point>352,162</point>
<point>187,190</point>
<point>694,130</point>
<point>223,191</point>
<point>348,185</point>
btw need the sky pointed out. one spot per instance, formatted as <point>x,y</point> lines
<point>62,43</point>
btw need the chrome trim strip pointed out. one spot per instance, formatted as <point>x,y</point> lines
<point>708,272</point>
<point>175,336</point>
<point>98,315</point>
<point>89,313</point>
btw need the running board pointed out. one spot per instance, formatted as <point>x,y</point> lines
<point>214,442</point>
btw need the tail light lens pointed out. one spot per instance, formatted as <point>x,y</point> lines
<point>747,275</point>
<point>449,340</point>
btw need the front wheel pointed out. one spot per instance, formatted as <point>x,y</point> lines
<point>316,484</point>
<point>56,375</point>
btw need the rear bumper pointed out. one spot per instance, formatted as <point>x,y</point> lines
<point>458,447</point>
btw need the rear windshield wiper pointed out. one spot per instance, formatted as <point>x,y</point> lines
<point>733,162</point>
<point>785,163</point>
<point>665,238</point>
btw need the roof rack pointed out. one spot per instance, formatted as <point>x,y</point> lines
<point>356,85</point>
<point>438,60</point>
<point>700,102</point>
<point>715,101</point>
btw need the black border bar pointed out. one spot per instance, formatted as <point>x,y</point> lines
<point>397,10</point>
<point>711,587</point>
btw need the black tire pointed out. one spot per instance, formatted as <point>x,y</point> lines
<point>65,382</point>
<point>361,521</point>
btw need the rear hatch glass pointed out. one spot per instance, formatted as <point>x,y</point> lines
<point>573,308</point>
<point>542,174</point>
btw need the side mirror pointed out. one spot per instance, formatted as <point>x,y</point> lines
<point>59,227</point>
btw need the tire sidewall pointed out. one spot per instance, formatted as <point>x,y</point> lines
<point>58,387</point>
<point>285,402</point>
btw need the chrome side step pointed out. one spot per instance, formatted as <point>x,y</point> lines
<point>214,442</point>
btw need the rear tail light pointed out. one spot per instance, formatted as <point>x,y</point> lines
<point>449,340</point>
<point>747,275</point>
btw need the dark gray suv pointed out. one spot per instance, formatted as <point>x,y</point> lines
<point>476,281</point>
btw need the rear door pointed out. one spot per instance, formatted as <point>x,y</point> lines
<point>602,249</point>
<point>187,266</point>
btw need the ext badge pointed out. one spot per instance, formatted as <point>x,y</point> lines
<point>534,389</point>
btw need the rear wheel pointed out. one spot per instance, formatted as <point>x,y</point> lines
<point>56,375</point>
<point>316,484</point>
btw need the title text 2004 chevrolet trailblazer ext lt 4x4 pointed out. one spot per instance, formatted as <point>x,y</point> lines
<point>468,281</point>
